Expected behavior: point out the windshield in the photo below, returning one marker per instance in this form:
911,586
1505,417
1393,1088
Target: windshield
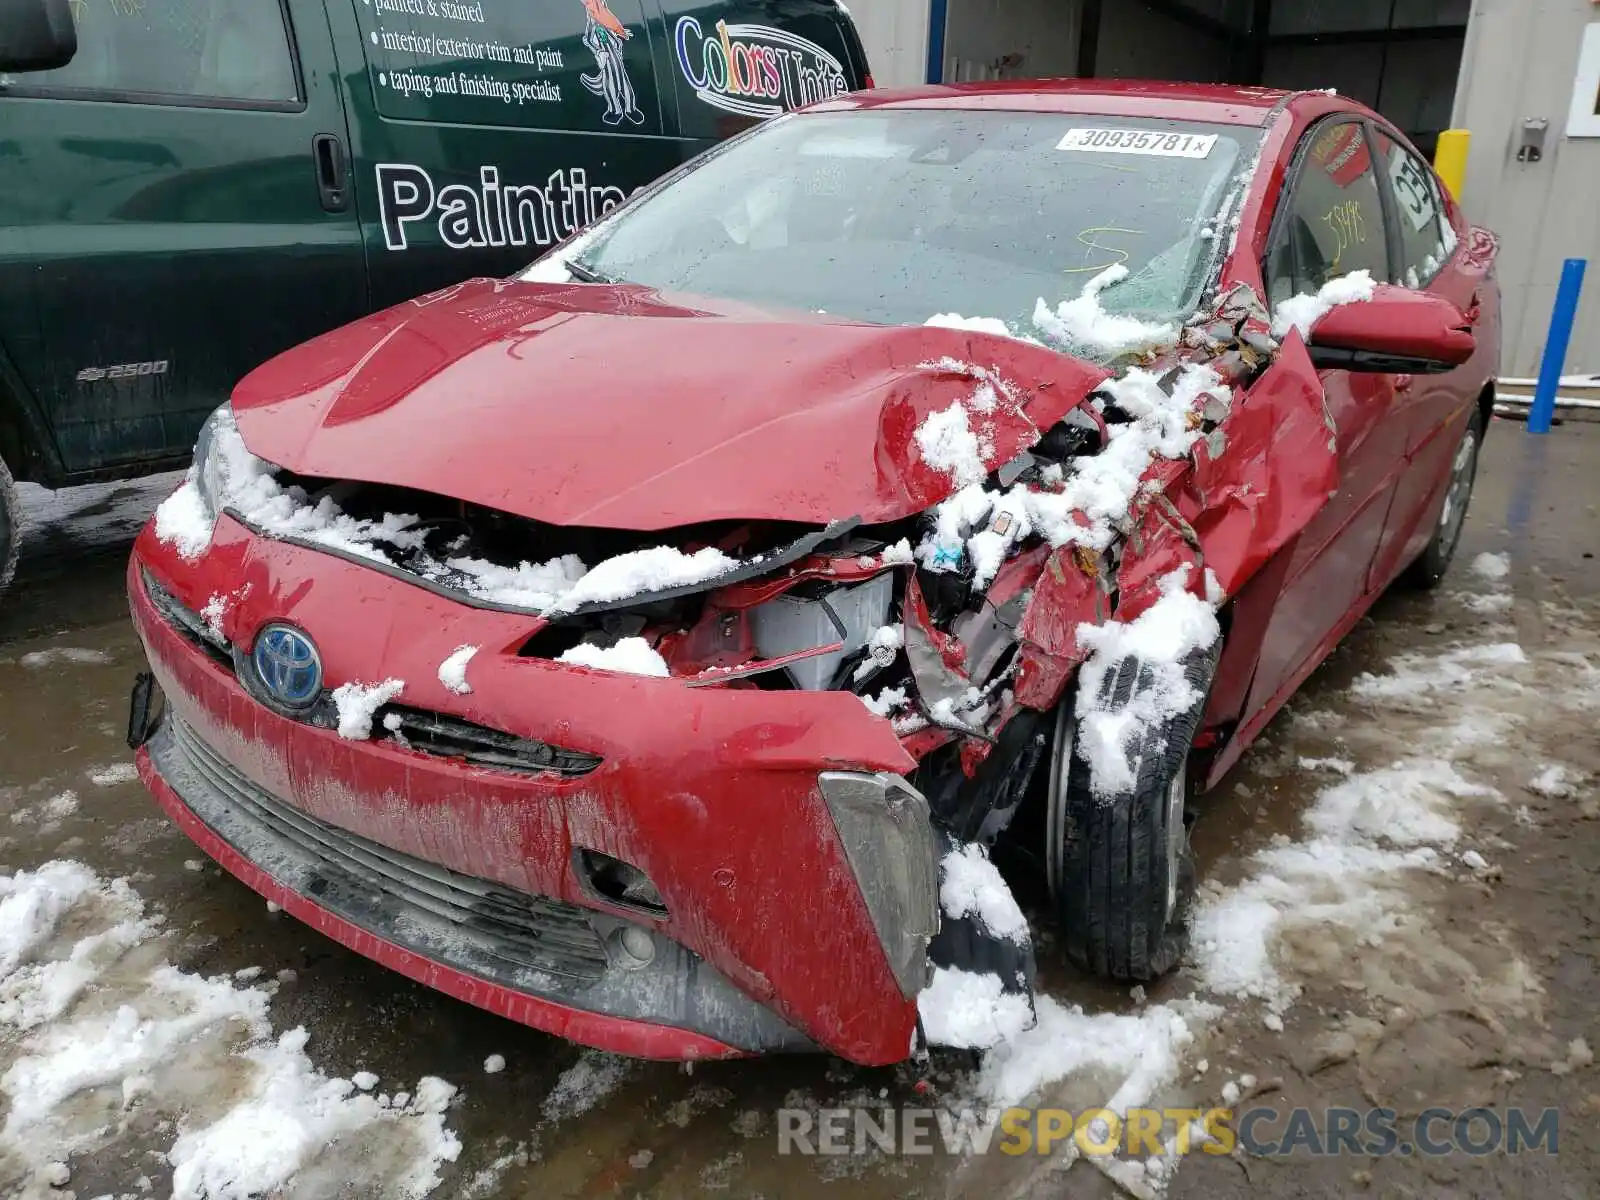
899,216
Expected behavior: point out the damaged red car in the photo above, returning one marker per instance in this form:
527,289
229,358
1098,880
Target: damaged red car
651,648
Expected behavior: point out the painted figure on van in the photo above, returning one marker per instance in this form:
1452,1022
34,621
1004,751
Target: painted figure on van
604,35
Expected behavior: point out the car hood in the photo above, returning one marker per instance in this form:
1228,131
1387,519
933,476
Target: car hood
625,408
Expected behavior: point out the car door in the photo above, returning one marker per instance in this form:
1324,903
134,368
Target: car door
1431,411
1331,222
161,216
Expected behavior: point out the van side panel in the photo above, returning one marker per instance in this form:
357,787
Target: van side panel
486,131
156,246
739,63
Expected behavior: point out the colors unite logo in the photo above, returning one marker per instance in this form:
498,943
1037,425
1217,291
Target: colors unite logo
756,70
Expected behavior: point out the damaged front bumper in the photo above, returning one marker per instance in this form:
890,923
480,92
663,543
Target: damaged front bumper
791,870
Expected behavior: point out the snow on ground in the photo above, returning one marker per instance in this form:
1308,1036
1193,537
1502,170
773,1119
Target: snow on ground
77,655
586,1083
113,774
630,656
104,1044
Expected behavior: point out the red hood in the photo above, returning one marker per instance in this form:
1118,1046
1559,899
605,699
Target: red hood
612,406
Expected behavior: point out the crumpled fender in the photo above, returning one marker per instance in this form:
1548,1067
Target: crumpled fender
1275,469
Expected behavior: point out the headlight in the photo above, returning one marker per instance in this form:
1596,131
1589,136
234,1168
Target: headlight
209,471
889,842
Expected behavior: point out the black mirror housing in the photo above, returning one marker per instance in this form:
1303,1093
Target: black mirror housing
36,35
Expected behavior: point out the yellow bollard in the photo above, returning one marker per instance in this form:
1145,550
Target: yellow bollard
1451,159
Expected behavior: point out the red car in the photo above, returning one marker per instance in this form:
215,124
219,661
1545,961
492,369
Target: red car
650,648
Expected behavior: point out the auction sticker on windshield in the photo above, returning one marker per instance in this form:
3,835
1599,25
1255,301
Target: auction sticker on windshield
1139,141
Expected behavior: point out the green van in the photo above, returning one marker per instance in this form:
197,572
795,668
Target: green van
188,187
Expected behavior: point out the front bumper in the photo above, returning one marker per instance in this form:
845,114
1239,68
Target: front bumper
464,878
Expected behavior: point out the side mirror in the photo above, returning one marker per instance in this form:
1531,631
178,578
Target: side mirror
1398,331
36,35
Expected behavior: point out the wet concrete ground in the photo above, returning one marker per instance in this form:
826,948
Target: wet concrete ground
68,655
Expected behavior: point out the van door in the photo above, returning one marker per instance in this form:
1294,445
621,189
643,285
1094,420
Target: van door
172,213
740,63
485,131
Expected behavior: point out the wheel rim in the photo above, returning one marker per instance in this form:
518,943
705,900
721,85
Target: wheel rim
1462,473
1177,793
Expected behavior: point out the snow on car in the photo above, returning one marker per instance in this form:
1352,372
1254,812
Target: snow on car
651,648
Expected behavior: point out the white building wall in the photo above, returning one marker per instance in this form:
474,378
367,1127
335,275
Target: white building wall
895,36
1522,62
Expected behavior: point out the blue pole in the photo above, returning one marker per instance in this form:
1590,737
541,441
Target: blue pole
1555,346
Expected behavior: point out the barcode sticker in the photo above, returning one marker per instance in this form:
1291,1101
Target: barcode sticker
1139,141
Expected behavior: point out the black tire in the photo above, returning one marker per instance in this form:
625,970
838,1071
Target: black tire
1123,877
1429,567
10,527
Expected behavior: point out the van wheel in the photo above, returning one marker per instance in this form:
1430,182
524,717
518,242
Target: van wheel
1120,868
1434,561
10,526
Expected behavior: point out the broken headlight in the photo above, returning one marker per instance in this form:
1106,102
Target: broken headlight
793,622
889,842
208,469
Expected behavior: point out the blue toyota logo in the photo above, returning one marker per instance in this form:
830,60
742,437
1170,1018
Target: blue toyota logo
288,666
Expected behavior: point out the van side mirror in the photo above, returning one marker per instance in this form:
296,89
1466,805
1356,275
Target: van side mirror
1398,331
36,35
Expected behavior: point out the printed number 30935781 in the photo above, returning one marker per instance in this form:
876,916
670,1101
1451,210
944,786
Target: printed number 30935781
1139,141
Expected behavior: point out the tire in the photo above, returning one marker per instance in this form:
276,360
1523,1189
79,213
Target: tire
1430,566
10,527
1122,873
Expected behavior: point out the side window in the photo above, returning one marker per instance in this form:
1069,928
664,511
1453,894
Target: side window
177,51
1420,210
542,64
1331,222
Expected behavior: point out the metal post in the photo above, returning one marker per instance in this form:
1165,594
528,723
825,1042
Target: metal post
1555,346
1450,160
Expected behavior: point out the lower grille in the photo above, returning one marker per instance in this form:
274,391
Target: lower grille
414,901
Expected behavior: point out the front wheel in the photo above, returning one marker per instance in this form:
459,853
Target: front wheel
1434,561
1120,868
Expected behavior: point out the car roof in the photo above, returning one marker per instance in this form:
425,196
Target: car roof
1221,104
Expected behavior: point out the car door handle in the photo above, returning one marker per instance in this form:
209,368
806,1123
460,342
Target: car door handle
327,149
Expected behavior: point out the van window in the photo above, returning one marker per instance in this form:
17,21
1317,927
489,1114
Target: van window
177,51
545,64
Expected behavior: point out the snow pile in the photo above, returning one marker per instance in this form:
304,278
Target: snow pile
1305,310
1553,780
453,670
107,1042
1162,637
971,324
890,700
1492,567
971,886
948,444
359,702
1083,326
1096,497
630,656
968,1011
239,481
